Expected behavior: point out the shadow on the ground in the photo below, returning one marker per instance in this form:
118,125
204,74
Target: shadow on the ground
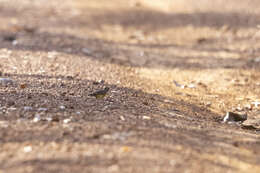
137,55
152,20
100,121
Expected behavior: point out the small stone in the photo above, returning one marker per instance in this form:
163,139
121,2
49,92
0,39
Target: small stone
14,43
48,119
178,85
98,82
10,103
62,107
117,136
86,51
250,127
22,86
53,118
168,101
122,118
27,149
27,108
42,109
66,121
239,109
9,38
52,54
70,77
248,107
146,117
29,29
255,122
146,103
256,103
201,40
208,104
12,109
125,149
234,117
37,118
6,81
191,86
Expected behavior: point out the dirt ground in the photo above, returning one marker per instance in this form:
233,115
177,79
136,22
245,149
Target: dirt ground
174,68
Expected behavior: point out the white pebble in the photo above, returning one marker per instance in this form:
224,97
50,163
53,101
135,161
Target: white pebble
146,118
122,118
37,118
62,107
27,149
66,120
42,109
27,108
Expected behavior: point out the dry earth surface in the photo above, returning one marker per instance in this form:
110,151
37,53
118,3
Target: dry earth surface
174,68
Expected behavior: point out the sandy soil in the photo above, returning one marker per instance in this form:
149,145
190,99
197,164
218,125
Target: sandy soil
173,68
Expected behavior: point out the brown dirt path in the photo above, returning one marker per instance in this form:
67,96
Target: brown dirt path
57,52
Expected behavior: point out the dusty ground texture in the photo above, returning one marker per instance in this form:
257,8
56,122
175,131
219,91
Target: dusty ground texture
174,68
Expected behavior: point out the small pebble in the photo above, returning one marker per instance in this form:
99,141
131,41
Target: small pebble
27,149
14,43
122,118
62,107
101,81
10,38
66,121
178,85
12,109
168,101
49,119
6,81
54,118
27,108
42,109
191,86
52,54
146,117
10,103
22,86
37,118
126,149
234,117
86,51
256,103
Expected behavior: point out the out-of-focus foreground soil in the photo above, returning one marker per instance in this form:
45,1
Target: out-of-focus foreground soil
174,68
